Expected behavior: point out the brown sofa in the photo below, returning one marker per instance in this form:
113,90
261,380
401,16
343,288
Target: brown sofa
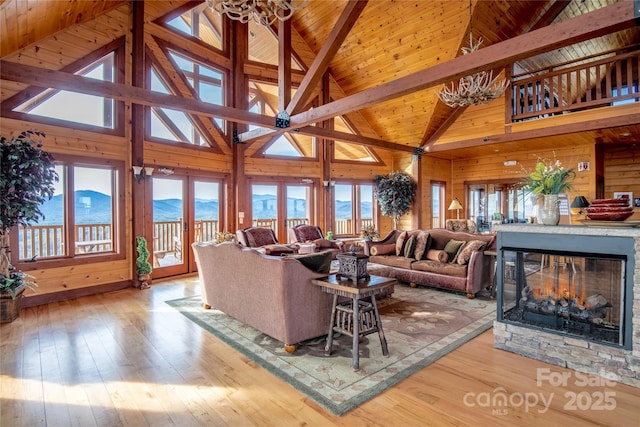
466,271
274,294
305,233
264,238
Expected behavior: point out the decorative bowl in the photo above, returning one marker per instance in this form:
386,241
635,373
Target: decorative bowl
620,201
608,208
609,216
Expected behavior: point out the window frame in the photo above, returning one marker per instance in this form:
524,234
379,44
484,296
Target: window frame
71,258
355,206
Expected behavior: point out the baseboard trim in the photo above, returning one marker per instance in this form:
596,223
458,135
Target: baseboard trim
33,300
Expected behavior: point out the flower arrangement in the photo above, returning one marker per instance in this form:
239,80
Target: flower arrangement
369,232
224,236
549,178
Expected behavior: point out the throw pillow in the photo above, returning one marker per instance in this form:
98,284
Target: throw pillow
409,247
465,253
319,262
423,243
400,243
388,249
452,247
437,255
323,243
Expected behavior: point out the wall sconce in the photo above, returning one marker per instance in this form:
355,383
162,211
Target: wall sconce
140,172
329,184
456,206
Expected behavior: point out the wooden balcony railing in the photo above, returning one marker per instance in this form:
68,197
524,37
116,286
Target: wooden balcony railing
567,88
46,241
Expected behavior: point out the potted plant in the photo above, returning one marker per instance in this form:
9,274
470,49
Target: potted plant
142,262
395,193
547,181
369,232
224,236
26,181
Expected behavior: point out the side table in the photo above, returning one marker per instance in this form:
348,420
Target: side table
355,318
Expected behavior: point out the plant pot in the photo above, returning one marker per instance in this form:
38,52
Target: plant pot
550,212
145,280
9,306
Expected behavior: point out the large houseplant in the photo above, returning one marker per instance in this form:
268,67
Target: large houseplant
27,181
395,193
548,180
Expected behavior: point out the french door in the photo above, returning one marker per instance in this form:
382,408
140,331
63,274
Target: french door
185,210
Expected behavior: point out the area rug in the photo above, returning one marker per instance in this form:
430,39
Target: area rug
420,324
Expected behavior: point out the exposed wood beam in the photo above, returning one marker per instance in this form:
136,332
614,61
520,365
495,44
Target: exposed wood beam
351,138
582,126
284,64
603,21
42,77
330,47
320,64
550,15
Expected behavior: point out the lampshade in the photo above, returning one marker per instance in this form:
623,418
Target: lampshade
455,204
580,202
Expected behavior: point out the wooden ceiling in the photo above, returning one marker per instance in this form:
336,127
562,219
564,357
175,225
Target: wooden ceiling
388,41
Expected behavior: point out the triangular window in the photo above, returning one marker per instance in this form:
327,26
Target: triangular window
77,107
172,125
350,151
200,22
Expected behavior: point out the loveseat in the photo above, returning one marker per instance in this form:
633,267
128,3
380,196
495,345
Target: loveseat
434,257
274,294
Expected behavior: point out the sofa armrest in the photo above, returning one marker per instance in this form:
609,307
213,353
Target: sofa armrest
389,238
478,272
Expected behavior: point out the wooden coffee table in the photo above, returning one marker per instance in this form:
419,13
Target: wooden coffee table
355,318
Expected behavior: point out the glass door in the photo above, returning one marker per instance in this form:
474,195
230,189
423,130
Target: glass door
298,206
207,220
264,206
169,227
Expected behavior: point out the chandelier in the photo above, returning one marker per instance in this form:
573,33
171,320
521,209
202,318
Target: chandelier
263,12
474,89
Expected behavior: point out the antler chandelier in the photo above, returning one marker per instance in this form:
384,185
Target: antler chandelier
264,12
474,89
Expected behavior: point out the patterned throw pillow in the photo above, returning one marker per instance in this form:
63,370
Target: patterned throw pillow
400,243
409,247
465,253
452,247
423,243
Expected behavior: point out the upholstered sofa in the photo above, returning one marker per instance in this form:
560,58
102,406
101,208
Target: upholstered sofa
463,268
274,294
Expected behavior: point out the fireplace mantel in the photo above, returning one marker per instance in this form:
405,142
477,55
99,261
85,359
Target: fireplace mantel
582,355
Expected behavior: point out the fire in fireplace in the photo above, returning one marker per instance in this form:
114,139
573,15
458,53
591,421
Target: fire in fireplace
581,295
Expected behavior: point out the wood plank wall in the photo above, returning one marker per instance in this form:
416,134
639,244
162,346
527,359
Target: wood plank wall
622,172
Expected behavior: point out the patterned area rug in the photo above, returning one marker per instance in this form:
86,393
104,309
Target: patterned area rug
420,324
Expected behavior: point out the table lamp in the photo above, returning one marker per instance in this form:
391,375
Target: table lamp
455,205
579,203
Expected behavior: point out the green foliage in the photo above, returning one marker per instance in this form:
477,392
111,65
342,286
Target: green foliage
14,280
142,262
549,178
395,193
369,232
26,180
224,236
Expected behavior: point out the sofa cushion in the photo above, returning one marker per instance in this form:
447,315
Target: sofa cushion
392,261
409,247
323,243
423,242
388,249
277,249
319,262
307,233
467,249
257,237
452,247
400,243
448,269
437,255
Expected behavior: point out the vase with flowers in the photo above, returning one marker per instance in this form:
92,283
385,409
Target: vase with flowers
548,180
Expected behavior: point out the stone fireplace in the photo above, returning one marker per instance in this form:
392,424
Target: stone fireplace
570,296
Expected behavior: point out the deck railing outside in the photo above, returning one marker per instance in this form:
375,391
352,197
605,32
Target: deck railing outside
46,241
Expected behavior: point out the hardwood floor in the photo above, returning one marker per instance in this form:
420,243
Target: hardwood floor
128,359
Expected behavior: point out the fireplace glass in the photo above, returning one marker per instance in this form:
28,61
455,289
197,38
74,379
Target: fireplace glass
571,294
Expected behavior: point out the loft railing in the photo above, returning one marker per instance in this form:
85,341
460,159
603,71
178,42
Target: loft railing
573,88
